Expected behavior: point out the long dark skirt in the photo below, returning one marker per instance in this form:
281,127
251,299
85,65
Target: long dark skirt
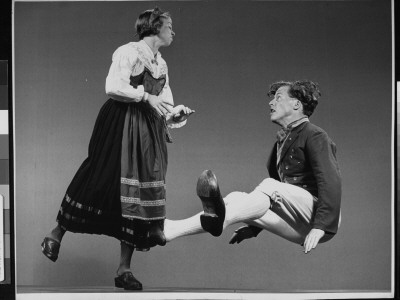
119,190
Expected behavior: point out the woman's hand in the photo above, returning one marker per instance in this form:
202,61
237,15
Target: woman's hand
162,107
180,113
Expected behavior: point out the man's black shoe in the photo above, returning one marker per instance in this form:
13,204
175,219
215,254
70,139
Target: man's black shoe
207,189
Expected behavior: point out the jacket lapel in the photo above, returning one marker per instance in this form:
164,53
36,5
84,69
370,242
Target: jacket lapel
271,163
293,136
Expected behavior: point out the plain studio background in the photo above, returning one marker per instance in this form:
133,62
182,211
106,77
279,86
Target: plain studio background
221,63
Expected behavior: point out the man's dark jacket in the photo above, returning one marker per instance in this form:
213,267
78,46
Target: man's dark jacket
308,160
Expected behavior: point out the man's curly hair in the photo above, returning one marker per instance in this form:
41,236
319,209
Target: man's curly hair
307,92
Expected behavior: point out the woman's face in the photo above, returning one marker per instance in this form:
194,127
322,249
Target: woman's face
166,34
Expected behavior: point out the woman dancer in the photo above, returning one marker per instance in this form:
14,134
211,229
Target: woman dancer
119,190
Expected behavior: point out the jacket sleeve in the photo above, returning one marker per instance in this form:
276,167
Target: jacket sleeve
322,155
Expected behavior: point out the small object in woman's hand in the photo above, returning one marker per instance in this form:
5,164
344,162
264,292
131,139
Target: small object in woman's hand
181,116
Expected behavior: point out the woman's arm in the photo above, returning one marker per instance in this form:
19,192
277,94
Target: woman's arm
118,80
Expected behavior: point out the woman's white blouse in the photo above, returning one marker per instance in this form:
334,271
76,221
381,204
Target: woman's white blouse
130,60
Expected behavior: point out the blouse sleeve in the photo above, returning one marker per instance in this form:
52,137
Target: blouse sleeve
118,78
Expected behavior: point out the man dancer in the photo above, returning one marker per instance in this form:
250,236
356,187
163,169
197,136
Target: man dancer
301,200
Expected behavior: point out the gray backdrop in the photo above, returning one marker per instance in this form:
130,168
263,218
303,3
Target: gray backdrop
222,60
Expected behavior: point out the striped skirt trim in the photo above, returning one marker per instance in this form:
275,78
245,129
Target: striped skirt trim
81,206
135,182
138,201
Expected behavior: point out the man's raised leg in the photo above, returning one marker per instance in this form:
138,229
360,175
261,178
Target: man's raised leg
218,212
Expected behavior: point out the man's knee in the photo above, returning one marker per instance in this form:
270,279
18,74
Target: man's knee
268,186
269,180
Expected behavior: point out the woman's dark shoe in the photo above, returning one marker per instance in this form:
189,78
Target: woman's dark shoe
207,189
128,282
156,236
51,248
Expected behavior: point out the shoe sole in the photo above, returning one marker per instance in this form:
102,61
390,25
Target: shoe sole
213,205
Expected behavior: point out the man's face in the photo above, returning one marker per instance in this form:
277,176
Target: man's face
166,34
282,106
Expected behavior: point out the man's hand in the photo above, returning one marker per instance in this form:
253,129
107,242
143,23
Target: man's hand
162,107
241,234
312,239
